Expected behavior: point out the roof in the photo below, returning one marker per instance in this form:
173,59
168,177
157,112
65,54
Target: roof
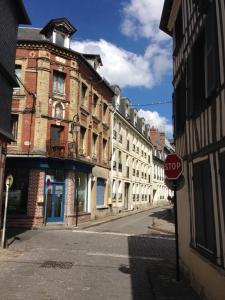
21,11
165,16
93,56
61,23
36,35
30,34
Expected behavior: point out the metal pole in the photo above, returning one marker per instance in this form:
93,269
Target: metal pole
176,232
5,216
77,202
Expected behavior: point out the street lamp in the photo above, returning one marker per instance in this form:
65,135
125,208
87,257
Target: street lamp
75,128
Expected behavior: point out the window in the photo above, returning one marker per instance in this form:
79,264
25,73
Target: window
58,83
56,135
18,193
104,150
95,105
82,141
59,111
222,180
120,161
179,106
202,66
94,146
83,94
60,39
18,69
178,31
203,204
14,127
105,113
100,197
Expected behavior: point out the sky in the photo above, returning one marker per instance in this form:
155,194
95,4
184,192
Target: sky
136,55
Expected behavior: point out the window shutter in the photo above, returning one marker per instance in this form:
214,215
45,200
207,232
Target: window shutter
189,109
211,59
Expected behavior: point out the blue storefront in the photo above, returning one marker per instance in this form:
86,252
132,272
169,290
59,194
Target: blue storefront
44,189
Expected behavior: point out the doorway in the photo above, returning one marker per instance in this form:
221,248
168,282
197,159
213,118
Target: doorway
126,194
55,194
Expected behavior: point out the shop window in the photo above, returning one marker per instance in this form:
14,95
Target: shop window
204,212
14,127
100,196
18,193
81,181
58,83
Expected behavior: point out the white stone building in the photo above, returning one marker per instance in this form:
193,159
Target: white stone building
131,164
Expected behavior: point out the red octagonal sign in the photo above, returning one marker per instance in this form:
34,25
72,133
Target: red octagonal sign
173,166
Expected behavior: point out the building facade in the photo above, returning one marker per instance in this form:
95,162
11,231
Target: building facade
60,122
198,30
12,13
137,176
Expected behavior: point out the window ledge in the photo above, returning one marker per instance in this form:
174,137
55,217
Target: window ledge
102,207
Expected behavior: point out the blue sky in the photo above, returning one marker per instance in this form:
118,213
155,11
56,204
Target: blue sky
135,54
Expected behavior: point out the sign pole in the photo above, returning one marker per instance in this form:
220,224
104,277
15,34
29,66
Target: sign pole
5,216
176,231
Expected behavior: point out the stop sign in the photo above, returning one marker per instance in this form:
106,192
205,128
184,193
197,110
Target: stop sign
173,166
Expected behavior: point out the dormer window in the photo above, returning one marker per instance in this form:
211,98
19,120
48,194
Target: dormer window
60,39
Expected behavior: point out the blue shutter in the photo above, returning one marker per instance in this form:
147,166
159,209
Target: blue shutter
100,192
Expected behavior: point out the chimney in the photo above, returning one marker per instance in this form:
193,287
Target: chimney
154,135
162,137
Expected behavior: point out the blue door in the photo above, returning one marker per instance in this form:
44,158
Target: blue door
55,195
100,192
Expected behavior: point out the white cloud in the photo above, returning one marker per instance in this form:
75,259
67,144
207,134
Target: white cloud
141,19
126,68
154,119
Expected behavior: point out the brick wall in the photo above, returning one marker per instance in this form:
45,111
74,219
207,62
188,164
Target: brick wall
35,193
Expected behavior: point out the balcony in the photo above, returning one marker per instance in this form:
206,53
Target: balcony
57,149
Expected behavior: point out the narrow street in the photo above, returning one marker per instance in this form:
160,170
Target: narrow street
122,259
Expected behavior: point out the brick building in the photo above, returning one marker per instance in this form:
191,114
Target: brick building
51,162
12,13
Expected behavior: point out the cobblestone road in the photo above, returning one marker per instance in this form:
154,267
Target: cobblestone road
123,259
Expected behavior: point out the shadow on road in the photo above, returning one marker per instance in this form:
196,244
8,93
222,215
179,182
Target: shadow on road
166,214
152,269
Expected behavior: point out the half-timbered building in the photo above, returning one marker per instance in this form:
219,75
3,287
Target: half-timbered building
198,31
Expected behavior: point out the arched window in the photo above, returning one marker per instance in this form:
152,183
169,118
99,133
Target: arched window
59,111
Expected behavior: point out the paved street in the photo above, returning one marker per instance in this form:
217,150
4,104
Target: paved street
122,259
